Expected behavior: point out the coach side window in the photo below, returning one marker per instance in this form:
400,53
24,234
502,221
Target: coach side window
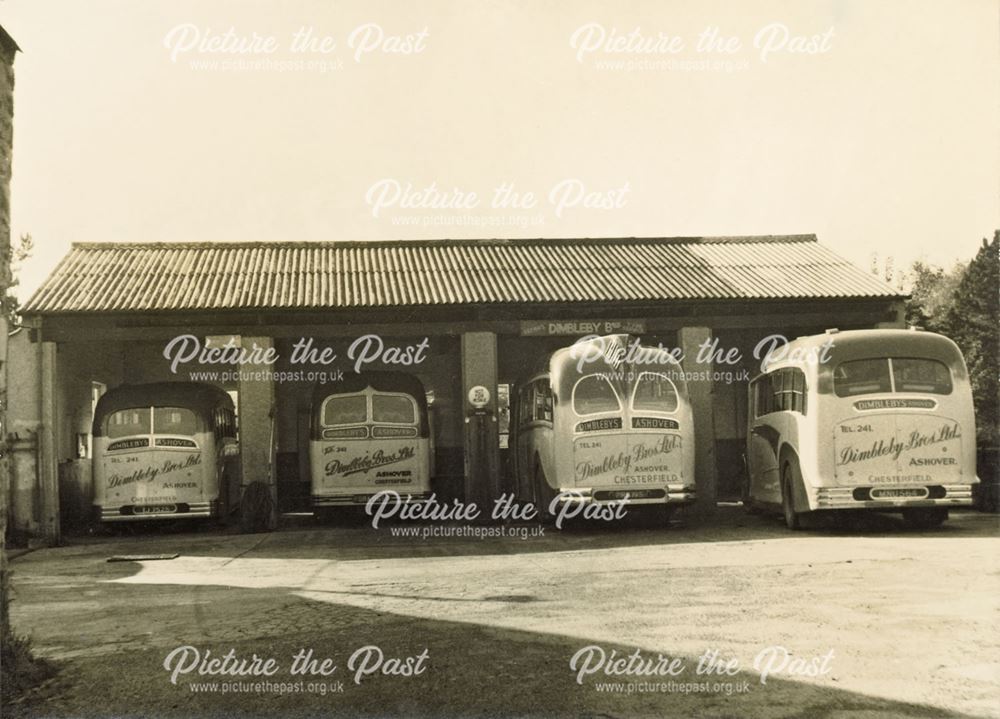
798,390
790,391
542,400
763,396
535,403
780,391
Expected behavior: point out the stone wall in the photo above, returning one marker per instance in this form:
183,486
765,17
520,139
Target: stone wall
7,50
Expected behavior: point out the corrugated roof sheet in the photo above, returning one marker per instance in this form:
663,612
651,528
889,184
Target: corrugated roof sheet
109,277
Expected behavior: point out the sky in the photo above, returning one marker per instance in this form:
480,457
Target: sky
874,125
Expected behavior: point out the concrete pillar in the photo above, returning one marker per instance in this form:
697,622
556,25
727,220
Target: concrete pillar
700,392
899,321
48,461
482,439
22,429
257,424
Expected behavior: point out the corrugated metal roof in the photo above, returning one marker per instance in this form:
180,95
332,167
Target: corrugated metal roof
109,277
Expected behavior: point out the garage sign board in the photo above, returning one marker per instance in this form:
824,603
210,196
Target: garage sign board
576,328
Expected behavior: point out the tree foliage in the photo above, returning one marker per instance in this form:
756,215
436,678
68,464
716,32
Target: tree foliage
9,266
973,321
932,292
964,304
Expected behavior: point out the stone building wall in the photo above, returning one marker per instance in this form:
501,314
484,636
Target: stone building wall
8,48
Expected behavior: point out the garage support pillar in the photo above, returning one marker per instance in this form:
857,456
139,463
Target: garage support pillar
482,439
700,390
257,423
48,464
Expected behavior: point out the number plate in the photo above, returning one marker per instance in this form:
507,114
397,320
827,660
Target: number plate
630,493
155,509
899,493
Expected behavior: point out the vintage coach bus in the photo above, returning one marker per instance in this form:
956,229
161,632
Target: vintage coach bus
865,419
605,420
164,451
370,432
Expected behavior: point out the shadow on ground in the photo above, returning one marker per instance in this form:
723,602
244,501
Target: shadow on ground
471,671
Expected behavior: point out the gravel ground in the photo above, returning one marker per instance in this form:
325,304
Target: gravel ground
911,618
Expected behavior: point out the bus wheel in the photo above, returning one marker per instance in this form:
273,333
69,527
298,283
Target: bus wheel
664,513
792,518
925,517
543,496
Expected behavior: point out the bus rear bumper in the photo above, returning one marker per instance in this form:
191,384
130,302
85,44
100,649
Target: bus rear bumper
671,494
949,495
139,513
360,499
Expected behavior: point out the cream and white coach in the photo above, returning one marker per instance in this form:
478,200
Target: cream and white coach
864,419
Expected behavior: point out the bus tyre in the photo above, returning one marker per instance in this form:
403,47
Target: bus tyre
543,496
925,517
793,519
748,506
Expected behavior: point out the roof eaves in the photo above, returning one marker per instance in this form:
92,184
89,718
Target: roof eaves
543,241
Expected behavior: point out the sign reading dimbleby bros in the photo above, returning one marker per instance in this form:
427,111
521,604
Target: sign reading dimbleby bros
552,328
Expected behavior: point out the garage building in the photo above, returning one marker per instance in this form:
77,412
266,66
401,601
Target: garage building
487,309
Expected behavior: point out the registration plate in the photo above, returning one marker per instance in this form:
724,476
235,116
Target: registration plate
899,493
632,494
155,509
